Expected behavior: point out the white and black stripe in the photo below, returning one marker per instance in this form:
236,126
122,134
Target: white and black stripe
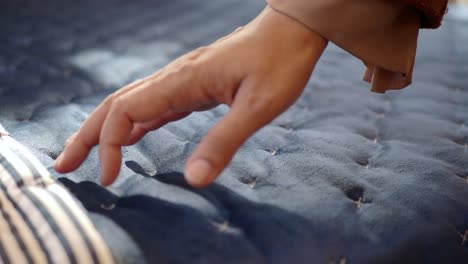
40,221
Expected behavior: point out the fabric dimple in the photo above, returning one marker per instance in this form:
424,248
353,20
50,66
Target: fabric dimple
310,201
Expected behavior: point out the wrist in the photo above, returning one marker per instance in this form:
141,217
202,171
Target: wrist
287,32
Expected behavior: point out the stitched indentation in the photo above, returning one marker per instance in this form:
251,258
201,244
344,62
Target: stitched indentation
288,128
370,135
183,140
52,154
250,181
273,152
356,194
460,141
460,175
363,162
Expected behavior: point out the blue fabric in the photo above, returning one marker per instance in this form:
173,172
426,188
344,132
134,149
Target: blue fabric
345,176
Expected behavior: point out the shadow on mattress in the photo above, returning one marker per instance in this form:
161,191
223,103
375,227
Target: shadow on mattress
250,232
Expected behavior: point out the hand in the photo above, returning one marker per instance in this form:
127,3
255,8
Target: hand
259,71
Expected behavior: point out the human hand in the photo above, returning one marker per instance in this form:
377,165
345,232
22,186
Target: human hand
259,71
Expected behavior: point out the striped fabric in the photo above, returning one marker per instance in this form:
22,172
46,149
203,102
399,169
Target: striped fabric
40,221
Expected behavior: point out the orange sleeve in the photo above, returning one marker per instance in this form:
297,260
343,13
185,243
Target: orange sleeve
383,34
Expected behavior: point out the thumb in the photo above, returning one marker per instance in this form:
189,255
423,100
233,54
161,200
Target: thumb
218,147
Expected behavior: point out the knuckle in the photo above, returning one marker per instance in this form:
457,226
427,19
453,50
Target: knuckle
186,68
112,98
186,71
71,139
195,54
109,99
260,103
84,143
118,104
81,140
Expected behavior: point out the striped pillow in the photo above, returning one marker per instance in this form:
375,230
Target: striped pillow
40,221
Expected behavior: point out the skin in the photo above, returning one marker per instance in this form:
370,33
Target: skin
258,70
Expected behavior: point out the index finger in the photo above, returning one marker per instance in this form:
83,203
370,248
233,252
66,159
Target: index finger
80,144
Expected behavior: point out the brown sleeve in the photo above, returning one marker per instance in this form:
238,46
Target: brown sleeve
382,33
431,11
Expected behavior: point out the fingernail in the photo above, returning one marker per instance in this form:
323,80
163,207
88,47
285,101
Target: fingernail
104,181
198,172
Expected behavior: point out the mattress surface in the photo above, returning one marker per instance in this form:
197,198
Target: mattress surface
344,176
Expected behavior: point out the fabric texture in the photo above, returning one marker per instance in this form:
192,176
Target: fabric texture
40,221
344,175
383,34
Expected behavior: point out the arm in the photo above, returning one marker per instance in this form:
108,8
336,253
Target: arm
259,71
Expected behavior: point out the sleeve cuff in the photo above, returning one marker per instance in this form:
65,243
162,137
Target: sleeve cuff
383,34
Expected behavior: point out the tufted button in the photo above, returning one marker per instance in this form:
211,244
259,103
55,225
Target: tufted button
363,163
357,195
279,177
249,181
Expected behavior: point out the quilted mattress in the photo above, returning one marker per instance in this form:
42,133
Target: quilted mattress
344,176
